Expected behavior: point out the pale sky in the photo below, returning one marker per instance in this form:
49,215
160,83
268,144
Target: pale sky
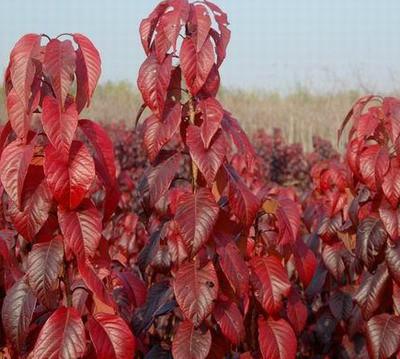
276,45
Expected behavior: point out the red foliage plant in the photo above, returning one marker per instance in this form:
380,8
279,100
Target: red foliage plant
199,257
286,164
352,219
217,283
209,258
372,156
59,188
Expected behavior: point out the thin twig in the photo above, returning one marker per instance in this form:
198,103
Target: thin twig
64,34
139,114
46,36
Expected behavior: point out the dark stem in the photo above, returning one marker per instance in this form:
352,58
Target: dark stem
64,34
46,36
139,114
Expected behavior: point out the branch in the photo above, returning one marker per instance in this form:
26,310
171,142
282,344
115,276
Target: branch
46,36
139,114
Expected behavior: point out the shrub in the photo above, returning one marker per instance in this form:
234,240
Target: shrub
208,272
188,242
59,189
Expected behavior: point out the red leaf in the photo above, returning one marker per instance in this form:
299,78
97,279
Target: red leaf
288,218
14,165
196,217
374,164
341,305
353,151
371,293
69,179
203,25
220,17
17,311
9,260
371,238
243,203
196,290
366,125
222,44
88,70
111,337
59,65
4,134
212,113
382,335
391,220
234,268
148,25
231,126
355,112
392,257
191,343
44,267
270,282
161,44
230,320
160,301
175,244
211,87
208,160
80,296
93,282
224,37
136,288
159,132
196,66
81,229
160,177
332,256
19,118
297,312
391,183
220,347
391,108
170,22
59,126
62,336
22,67
104,162
277,340
153,82
36,204
396,298
305,262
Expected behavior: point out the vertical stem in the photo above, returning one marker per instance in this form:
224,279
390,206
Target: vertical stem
195,170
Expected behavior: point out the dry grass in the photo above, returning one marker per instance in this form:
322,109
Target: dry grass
300,114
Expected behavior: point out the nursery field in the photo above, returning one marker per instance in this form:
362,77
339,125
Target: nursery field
301,114
154,226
